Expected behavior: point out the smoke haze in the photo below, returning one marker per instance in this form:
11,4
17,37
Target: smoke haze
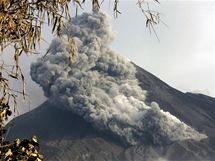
100,86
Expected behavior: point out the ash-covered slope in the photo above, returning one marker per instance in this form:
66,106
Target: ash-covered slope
196,110
103,107
65,136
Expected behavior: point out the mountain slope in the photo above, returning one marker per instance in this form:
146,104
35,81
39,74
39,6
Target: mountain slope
66,136
196,110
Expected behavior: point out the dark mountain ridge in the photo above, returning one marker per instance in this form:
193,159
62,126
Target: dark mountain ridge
65,136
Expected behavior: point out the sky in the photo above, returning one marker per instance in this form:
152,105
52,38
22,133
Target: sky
184,57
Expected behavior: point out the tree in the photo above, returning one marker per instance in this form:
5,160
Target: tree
20,27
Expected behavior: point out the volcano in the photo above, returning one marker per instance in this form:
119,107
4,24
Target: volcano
103,107
65,136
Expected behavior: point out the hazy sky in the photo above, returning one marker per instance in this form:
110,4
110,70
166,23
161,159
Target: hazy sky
185,56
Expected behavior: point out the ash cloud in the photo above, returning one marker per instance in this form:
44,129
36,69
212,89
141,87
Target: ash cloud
101,86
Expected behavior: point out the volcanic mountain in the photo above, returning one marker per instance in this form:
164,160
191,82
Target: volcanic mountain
103,107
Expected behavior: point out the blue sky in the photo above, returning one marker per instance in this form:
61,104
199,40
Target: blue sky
184,58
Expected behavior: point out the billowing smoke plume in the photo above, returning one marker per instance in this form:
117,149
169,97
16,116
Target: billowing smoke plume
101,86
